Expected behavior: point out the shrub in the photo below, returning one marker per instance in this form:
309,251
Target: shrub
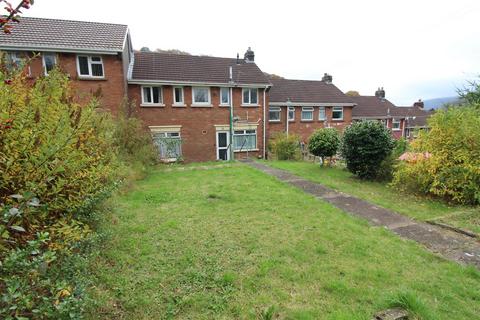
453,169
286,147
51,146
387,167
365,145
134,143
324,143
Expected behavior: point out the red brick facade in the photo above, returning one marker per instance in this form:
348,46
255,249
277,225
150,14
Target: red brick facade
110,89
305,128
198,124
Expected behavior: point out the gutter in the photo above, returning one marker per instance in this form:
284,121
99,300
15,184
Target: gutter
60,49
197,83
315,104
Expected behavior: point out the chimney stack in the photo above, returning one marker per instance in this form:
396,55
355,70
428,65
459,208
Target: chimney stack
327,78
419,104
249,55
380,93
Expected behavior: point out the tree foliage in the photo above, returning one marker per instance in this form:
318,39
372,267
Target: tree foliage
352,93
365,146
324,143
452,170
285,147
470,94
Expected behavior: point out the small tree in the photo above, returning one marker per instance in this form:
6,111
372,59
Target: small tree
365,145
324,143
285,147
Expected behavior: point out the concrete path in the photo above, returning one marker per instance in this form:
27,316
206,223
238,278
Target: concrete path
449,244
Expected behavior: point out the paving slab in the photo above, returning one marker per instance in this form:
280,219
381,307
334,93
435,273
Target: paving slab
449,244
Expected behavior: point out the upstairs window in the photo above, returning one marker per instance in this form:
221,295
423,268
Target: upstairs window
396,125
337,113
225,96
49,62
321,114
152,96
291,113
201,96
250,96
90,66
274,114
178,96
307,113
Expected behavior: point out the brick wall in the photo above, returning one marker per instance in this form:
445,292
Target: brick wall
111,90
305,128
198,130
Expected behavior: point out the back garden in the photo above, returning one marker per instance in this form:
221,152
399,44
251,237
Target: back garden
92,228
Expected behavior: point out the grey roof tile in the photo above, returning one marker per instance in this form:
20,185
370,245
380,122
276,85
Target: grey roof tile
159,66
40,33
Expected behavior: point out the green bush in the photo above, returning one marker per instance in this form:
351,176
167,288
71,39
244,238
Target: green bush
365,146
387,167
285,147
452,169
324,143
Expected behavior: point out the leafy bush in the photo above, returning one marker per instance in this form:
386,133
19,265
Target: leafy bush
133,141
365,146
324,143
387,167
286,147
452,171
51,146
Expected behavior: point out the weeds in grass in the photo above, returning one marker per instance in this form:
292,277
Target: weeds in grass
411,302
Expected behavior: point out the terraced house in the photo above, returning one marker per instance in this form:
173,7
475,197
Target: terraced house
197,108
96,56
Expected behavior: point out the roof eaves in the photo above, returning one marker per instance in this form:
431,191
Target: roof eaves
36,47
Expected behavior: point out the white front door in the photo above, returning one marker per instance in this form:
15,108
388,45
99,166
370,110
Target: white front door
223,145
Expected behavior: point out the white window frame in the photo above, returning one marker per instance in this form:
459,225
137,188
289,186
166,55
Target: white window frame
17,59
182,102
337,109
90,62
171,135
202,104
152,104
307,109
249,103
225,104
45,72
275,109
235,134
288,113
396,121
320,118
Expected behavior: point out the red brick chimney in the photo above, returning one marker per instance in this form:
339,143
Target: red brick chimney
419,104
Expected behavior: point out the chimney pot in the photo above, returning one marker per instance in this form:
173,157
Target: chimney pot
327,78
380,93
249,55
419,104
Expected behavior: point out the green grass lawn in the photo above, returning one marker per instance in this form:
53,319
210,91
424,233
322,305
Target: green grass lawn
234,243
381,194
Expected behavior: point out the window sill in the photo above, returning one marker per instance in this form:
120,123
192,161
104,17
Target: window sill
179,105
338,120
322,120
246,150
306,120
224,105
250,105
275,121
87,78
202,105
396,130
146,105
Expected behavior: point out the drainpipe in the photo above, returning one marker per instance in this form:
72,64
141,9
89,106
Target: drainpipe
264,123
289,104
232,154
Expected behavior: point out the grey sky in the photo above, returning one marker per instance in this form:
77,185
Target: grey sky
415,49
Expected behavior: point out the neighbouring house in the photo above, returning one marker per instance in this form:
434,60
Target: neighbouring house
402,121
311,105
201,108
95,55
415,118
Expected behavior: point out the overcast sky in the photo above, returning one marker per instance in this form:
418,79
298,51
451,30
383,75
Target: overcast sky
414,49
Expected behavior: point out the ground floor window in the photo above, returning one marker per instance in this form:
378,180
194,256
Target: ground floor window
169,145
274,114
244,140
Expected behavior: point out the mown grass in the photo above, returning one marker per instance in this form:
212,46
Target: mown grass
381,194
234,243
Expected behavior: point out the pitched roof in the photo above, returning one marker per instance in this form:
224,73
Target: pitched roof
417,117
372,107
168,67
306,91
37,34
